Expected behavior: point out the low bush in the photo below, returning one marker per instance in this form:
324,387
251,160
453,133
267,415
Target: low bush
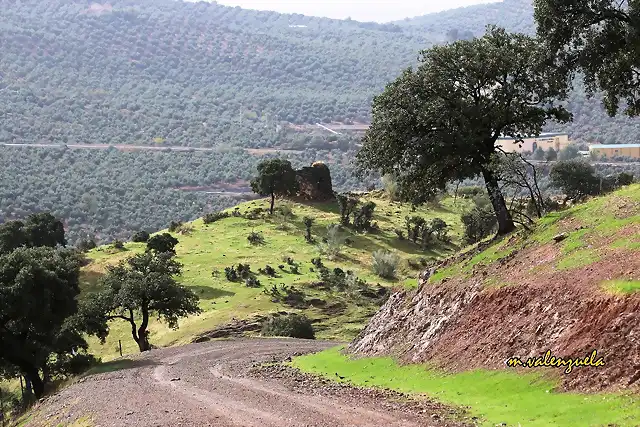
140,236
291,325
215,216
174,226
255,238
385,263
252,282
117,245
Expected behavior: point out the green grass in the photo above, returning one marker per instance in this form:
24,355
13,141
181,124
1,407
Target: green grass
577,259
493,396
224,243
622,286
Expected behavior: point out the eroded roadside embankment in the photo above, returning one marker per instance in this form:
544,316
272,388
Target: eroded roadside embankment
527,295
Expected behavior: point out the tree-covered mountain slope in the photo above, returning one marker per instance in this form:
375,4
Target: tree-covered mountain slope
201,74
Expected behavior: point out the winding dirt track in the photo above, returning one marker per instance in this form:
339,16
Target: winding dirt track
206,385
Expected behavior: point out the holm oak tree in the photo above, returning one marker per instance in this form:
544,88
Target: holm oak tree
275,177
600,39
440,122
136,289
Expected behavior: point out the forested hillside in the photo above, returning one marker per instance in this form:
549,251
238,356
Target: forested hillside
163,72
201,74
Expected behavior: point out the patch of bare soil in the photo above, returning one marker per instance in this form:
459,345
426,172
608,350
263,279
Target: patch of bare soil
217,384
463,324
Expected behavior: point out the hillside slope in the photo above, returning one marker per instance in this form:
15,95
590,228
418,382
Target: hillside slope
201,74
529,294
206,250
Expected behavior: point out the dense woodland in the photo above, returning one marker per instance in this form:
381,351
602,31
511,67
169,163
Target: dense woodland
200,74
107,194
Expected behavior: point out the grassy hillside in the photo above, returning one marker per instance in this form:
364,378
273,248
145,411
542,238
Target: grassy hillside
520,296
339,315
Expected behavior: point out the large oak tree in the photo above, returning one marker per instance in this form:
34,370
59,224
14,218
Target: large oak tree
137,289
275,177
38,291
440,122
600,39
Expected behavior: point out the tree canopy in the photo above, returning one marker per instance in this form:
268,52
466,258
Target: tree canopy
440,122
275,177
136,289
600,39
38,290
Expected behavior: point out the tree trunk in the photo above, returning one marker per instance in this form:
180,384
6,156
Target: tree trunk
143,336
273,199
505,222
33,376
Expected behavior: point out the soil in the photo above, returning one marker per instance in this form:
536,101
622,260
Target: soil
522,305
222,383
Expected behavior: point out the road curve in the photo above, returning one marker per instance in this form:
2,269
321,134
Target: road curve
207,385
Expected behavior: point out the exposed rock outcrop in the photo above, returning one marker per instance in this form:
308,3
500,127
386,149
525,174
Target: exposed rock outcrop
315,182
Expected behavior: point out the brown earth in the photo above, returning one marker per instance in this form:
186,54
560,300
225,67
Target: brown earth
219,384
522,305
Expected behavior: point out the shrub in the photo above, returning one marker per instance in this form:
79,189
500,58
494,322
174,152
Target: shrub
215,216
140,236
317,262
174,226
291,325
252,282
362,218
385,263
85,245
270,271
399,233
478,224
255,238
625,179
308,223
185,229
346,204
244,271
439,227
162,243
295,269
117,245
288,260
254,213
231,274
334,241
414,264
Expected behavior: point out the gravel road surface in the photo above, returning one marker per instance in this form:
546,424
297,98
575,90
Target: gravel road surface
224,383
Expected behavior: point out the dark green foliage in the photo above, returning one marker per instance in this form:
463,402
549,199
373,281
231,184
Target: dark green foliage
39,289
440,228
214,216
162,243
86,244
599,39
308,223
255,238
288,260
399,233
576,178
291,325
346,204
289,295
238,273
269,271
174,226
117,244
275,177
252,282
37,230
317,262
295,269
416,227
478,224
363,217
434,125
140,236
625,179
551,155
143,285
569,152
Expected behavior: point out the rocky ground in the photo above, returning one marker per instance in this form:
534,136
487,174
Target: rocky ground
225,383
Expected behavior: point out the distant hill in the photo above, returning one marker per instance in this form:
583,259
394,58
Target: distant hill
201,74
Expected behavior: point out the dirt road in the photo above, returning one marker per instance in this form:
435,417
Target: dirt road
214,384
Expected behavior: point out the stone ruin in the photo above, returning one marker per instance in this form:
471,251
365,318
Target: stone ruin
315,182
